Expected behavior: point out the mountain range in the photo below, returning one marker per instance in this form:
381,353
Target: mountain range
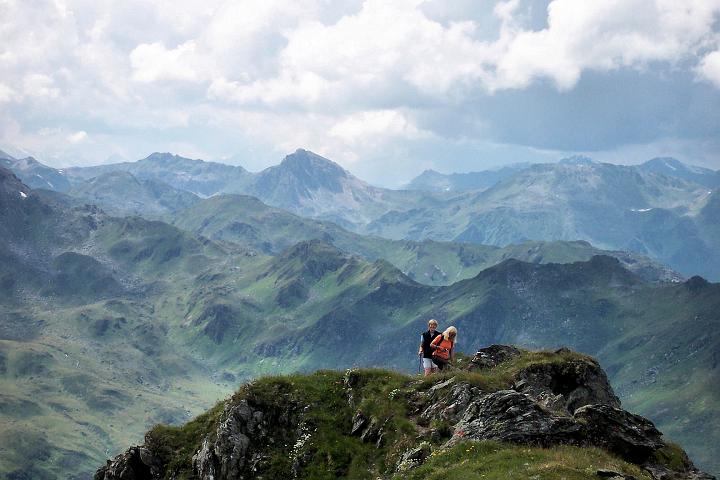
662,209
611,206
430,180
112,324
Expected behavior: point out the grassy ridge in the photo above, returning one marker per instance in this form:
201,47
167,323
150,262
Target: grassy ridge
320,445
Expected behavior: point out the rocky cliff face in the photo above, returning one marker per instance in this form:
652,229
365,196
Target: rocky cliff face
388,425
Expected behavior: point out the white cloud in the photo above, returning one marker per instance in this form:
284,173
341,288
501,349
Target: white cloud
7,94
709,68
303,88
153,62
77,137
40,86
601,36
371,125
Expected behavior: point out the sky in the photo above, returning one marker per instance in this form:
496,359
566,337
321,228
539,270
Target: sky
386,88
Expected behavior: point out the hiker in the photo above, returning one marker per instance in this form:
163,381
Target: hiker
425,351
442,347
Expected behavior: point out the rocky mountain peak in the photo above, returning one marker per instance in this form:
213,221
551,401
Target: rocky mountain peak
297,178
303,162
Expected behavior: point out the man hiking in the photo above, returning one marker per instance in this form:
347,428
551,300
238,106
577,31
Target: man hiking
425,351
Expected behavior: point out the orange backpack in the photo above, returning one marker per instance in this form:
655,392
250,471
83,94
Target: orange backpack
444,348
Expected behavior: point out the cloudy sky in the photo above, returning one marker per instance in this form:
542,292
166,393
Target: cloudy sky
385,88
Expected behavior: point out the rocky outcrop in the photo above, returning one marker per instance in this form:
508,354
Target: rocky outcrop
137,463
567,386
631,437
510,416
563,398
240,438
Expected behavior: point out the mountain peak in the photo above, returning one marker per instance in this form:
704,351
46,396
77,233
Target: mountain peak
577,160
308,162
297,175
162,157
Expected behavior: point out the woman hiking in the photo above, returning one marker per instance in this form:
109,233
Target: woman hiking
442,347
425,351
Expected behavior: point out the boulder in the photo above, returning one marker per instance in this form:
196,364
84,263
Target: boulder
510,416
492,356
629,436
567,386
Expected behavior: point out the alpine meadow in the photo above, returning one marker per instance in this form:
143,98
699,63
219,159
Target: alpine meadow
361,239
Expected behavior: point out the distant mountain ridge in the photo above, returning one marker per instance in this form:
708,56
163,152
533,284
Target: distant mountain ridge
121,193
196,176
674,168
656,209
35,174
303,183
611,206
431,180
247,221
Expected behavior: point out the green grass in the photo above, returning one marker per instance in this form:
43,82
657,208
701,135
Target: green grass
497,461
503,375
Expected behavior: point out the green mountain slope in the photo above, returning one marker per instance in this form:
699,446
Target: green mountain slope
247,221
170,321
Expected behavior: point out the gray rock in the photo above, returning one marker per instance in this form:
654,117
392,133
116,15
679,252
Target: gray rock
660,472
414,457
567,386
630,436
604,473
448,405
492,356
359,423
509,416
239,440
137,463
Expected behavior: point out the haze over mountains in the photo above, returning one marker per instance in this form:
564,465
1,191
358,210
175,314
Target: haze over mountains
662,209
